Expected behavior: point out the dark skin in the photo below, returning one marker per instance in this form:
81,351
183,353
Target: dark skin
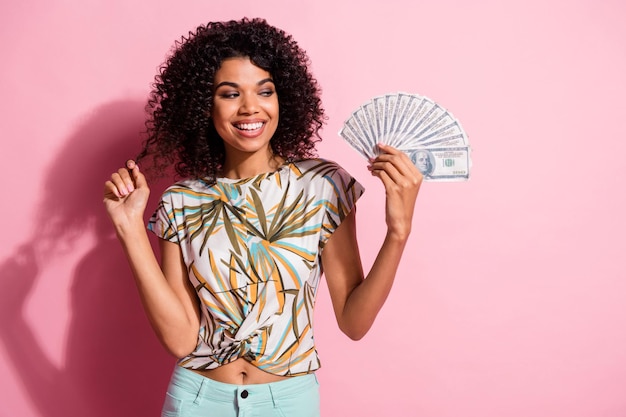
170,302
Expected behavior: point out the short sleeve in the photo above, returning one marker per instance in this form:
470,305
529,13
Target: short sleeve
162,222
342,192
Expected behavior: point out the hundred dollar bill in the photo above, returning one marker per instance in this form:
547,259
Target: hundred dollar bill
400,112
351,133
369,111
366,126
390,113
427,132
381,116
450,134
412,109
448,163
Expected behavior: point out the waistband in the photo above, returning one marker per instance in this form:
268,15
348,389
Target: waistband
206,388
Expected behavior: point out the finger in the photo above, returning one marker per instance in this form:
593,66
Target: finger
401,179
401,162
395,166
120,180
393,154
123,181
111,191
390,170
138,178
384,177
129,175
388,149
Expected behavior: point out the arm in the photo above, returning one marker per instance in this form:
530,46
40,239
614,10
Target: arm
357,300
166,294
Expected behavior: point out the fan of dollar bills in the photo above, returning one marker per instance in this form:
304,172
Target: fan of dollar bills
429,134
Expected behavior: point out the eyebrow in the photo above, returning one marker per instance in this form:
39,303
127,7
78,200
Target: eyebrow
235,85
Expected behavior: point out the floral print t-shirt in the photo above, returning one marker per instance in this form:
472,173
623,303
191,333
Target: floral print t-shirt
252,248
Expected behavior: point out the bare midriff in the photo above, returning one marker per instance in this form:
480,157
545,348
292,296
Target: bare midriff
240,372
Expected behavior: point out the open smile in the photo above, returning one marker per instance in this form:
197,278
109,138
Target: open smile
249,127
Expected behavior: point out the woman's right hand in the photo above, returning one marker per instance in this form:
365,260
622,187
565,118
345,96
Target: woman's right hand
126,196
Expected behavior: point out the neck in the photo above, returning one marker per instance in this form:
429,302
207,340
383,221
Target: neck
248,166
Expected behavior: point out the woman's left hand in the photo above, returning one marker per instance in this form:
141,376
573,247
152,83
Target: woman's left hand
402,181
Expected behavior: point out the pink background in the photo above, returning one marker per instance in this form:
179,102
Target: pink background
510,300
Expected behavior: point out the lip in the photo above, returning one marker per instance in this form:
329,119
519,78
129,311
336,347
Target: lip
250,133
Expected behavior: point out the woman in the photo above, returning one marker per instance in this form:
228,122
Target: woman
245,235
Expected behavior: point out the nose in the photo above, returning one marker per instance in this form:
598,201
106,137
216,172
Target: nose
249,104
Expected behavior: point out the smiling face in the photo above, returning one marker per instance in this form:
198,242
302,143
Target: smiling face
245,112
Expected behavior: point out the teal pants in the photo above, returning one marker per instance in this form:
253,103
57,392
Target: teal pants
192,395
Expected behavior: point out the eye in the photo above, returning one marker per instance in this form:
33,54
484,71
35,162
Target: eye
229,94
267,93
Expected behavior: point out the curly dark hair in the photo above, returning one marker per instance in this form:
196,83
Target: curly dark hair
179,129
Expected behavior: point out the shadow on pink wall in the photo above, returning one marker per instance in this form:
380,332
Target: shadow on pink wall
113,364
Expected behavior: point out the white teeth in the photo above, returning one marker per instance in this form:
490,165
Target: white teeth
249,126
